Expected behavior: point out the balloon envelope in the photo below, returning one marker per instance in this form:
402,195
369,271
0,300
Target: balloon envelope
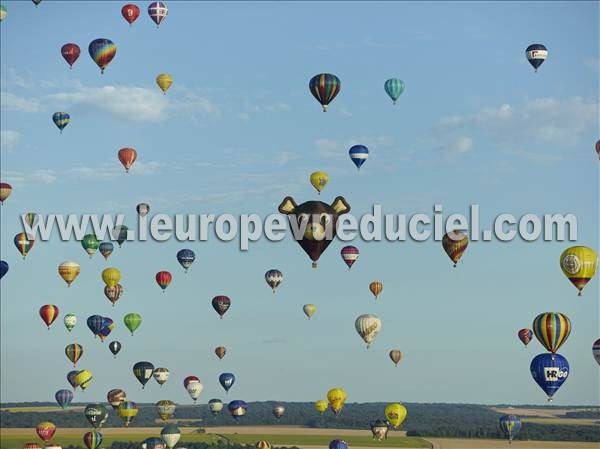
70,52
324,87
549,371
510,425
552,330
102,51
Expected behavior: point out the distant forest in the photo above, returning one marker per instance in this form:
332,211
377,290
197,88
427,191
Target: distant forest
424,420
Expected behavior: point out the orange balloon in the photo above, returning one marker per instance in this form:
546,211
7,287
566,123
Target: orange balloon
127,156
376,288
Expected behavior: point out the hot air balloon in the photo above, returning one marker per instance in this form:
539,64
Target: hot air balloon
90,244
116,397
596,350
24,242
163,279
96,414
525,336
193,386
142,209
61,120
30,219
215,406
368,326
92,440
170,435
161,375
36,2
45,430
349,255
455,243
127,410
552,330
359,155
107,327
336,398
132,321
394,87
63,398
379,429
69,271
113,293
111,276
396,356
395,414
220,351
3,268
221,304
119,233
598,148
579,264
70,52
338,444
376,288
536,54
278,411
157,12
510,425
143,372
74,351
309,310
95,323
5,191
70,321
319,180
71,378
262,444
186,258
324,87
106,249
319,221
321,405
130,12
164,81
102,51
154,443
273,278
3,13
549,371
127,156
115,347
83,379
237,409
49,314
226,380
165,409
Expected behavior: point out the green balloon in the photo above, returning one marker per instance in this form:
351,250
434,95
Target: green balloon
122,236
90,244
132,321
394,88
96,414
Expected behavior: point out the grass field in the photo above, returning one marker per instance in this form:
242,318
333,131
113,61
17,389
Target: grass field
538,412
452,443
564,421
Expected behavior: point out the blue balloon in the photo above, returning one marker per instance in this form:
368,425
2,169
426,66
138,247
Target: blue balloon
226,380
61,119
338,444
3,268
106,249
510,425
64,398
155,443
549,371
95,323
237,409
143,372
186,258
359,154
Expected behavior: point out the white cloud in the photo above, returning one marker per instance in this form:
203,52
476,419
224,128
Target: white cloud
285,157
9,139
12,102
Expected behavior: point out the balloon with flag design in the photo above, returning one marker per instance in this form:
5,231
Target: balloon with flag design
158,12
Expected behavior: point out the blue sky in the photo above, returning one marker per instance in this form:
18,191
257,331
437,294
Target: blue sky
239,130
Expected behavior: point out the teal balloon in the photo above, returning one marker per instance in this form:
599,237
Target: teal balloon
394,88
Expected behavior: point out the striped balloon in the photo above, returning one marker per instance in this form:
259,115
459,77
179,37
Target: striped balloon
455,244
49,314
63,398
273,278
394,88
324,87
24,242
525,336
61,119
376,288
510,425
358,154
92,440
349,255
5,191
74,352
127,410
102,52
163,279
552,330
596,351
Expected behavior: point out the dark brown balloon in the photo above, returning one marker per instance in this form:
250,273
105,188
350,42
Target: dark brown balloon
220,351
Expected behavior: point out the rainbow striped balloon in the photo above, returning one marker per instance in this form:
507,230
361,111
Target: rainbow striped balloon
552,330
324,87
102,52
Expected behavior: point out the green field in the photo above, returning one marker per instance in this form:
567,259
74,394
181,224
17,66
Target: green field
564,421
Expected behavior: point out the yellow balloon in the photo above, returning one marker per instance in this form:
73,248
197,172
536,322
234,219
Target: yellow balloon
319,180
579,264
395,414
321,405
336,398
83,379
309,310
111,277
164,81
69,271
376,288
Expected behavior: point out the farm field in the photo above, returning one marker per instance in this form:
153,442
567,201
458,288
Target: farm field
451,443
538,412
